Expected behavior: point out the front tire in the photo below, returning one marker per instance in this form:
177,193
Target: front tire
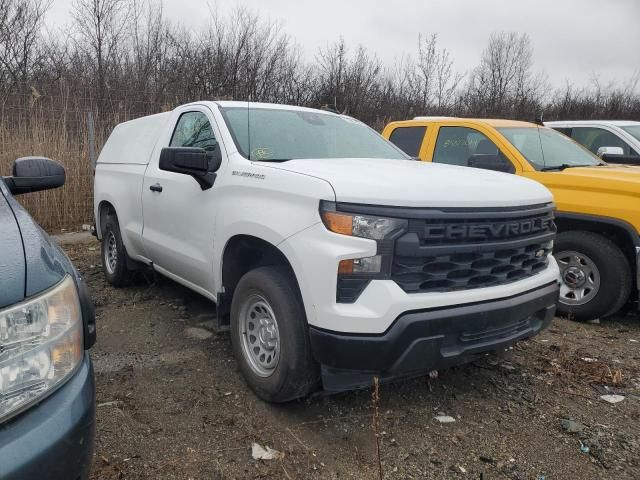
114,254
269,336
595,276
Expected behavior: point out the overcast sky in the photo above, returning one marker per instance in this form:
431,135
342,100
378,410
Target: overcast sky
573,39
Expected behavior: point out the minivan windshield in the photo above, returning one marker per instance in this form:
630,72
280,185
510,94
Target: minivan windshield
277,135
633,130
547,149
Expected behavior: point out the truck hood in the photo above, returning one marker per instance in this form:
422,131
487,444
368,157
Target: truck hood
419,184
30,261
618,179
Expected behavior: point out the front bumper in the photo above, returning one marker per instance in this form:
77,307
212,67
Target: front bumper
383,301
53,439
428,339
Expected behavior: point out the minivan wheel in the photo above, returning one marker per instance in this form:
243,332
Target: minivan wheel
114,255
269,336
595,277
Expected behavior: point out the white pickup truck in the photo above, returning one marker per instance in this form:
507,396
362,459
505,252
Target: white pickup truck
331,254
616,141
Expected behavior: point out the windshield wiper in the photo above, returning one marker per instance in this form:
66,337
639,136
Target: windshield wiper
562,166
275,160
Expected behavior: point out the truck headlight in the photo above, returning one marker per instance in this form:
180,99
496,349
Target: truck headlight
354,274
40,346
356,225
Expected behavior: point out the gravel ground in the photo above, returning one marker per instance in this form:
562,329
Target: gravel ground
172,403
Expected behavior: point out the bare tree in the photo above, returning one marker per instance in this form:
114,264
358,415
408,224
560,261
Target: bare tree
504,82
332,65
349,83
431,78
101,26
20,32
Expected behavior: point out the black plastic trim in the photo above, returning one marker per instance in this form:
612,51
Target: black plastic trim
417,250
88,313
434,309
635,238
450,213
422,340
627,159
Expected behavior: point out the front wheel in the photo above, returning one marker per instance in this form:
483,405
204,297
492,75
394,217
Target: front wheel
595,277
269,336
114,254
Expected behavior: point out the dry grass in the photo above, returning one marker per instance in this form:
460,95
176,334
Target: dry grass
590,370
57,131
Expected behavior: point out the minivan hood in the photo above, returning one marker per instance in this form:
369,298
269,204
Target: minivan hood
12,264
30,261
419,184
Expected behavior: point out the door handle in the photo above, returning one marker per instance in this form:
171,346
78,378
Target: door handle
155,188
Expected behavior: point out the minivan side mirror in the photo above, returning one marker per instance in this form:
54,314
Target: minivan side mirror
195,162
602,151
32,174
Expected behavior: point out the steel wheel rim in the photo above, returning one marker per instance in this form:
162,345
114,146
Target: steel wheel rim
259,335
579,277
111,253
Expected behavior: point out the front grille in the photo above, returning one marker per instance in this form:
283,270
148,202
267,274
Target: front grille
460,250
494,334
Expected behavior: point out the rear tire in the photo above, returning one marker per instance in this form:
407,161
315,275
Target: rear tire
114,254
595,275
269,336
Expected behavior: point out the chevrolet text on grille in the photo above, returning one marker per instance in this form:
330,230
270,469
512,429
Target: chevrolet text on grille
488,230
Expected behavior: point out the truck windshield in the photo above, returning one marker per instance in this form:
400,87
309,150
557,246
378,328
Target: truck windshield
277,135
633,130
547,149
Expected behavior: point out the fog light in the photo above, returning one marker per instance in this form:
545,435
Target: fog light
367,264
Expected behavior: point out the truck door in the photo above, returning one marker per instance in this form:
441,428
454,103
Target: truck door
594,137
468,147
178,215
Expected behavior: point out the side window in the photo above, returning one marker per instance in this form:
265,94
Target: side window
565,130
194,130
593,138
408,139
467,147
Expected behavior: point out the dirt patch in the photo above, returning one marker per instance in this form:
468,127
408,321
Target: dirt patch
172,403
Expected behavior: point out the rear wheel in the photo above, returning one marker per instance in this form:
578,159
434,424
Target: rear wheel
269,336
114,254
595,277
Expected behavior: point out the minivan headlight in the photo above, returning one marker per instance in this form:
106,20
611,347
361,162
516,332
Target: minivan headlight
40,346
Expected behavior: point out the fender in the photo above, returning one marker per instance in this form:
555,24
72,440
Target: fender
631,232
614,222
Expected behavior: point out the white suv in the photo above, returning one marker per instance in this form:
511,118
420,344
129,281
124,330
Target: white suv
616,141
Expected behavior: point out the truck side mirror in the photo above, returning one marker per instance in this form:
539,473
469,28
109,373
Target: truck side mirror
496,163
32,174
194,162
215,158
602,151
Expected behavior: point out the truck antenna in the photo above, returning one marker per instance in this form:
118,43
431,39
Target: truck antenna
248,127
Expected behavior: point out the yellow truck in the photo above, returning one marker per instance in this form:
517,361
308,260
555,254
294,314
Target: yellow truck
598,204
